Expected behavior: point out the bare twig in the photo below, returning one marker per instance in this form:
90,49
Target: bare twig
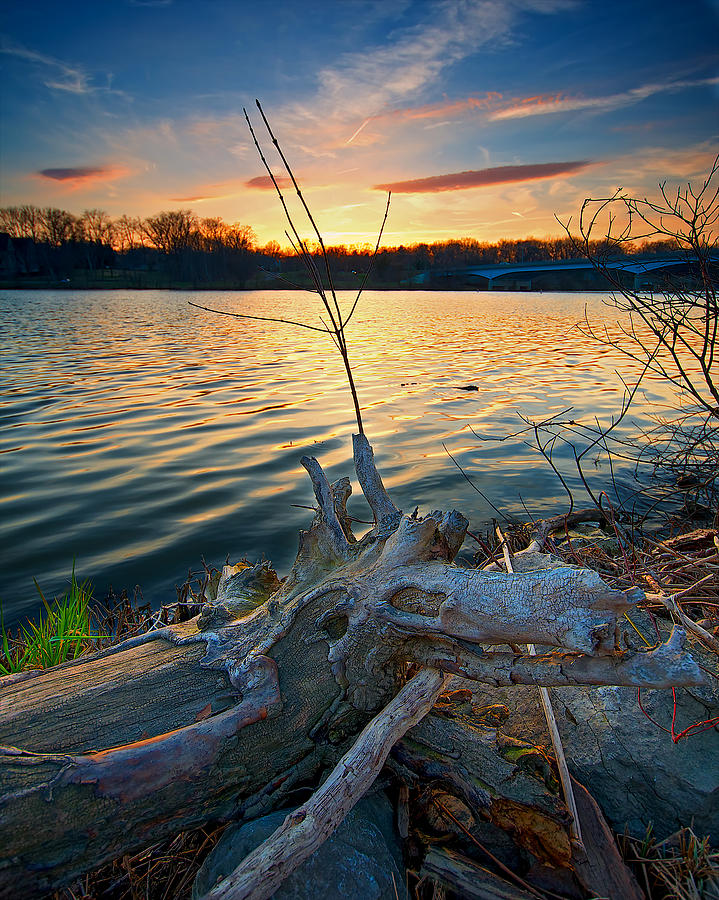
336,323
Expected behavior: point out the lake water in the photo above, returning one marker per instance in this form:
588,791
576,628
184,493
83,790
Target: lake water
139,434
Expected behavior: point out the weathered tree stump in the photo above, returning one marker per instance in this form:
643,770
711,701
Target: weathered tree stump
225,715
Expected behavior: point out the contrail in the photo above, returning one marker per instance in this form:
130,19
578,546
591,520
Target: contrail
357,132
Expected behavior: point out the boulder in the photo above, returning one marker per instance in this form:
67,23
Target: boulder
357,862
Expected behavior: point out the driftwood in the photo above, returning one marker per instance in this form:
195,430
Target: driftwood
224,716
302,832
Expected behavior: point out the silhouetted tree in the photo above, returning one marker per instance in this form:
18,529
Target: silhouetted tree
58,225
128,233
671,328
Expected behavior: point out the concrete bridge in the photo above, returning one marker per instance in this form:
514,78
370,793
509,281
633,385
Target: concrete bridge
523,272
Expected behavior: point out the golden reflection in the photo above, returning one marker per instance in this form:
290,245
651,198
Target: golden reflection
309,441
206,515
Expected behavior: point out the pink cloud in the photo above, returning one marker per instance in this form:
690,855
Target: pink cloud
197,198
432,111
535,106
558,103
459,181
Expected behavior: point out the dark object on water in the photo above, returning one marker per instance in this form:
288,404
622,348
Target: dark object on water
467,387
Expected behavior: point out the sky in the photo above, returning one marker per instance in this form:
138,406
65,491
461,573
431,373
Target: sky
485,118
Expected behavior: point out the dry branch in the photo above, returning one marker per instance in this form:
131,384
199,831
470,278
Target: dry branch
546,701
305,829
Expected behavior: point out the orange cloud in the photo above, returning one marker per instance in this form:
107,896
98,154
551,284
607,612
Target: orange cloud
79,176
449,109
557,103
459,181
439,110
199,198
533,106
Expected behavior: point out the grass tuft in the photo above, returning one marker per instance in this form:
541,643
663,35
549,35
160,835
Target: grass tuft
682,867
62,633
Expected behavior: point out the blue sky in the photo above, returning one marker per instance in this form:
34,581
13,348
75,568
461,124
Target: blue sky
486,118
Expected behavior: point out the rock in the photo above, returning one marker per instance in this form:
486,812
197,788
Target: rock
631,767
356,863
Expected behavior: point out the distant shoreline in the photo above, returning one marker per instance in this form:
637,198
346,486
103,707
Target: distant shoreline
120,285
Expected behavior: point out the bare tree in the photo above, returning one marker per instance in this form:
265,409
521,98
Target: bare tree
31,221
95,230
96,227
58,225
22,221
129,233
10,221
173,231
670,326
240,237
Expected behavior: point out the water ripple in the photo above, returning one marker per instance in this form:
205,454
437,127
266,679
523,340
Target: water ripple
140,433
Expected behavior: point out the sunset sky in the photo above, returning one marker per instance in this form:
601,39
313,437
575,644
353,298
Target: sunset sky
484,117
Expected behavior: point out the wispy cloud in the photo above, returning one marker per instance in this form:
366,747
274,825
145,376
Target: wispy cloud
57,75
415,55
63,77
76,176
459,181
374,82
203,193
385,84
199,198
450,108
361,94
432,111
559,103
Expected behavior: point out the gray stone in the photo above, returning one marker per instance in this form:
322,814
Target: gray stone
357,862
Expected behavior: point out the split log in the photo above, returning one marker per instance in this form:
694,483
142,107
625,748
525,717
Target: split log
223,716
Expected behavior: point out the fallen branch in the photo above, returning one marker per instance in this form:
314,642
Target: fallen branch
670,603
215,717
665,666
304,830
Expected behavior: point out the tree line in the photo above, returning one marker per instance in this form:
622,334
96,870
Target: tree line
178,246
177,243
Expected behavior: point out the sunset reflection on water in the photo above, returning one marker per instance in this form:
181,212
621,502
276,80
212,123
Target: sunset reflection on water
140,434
